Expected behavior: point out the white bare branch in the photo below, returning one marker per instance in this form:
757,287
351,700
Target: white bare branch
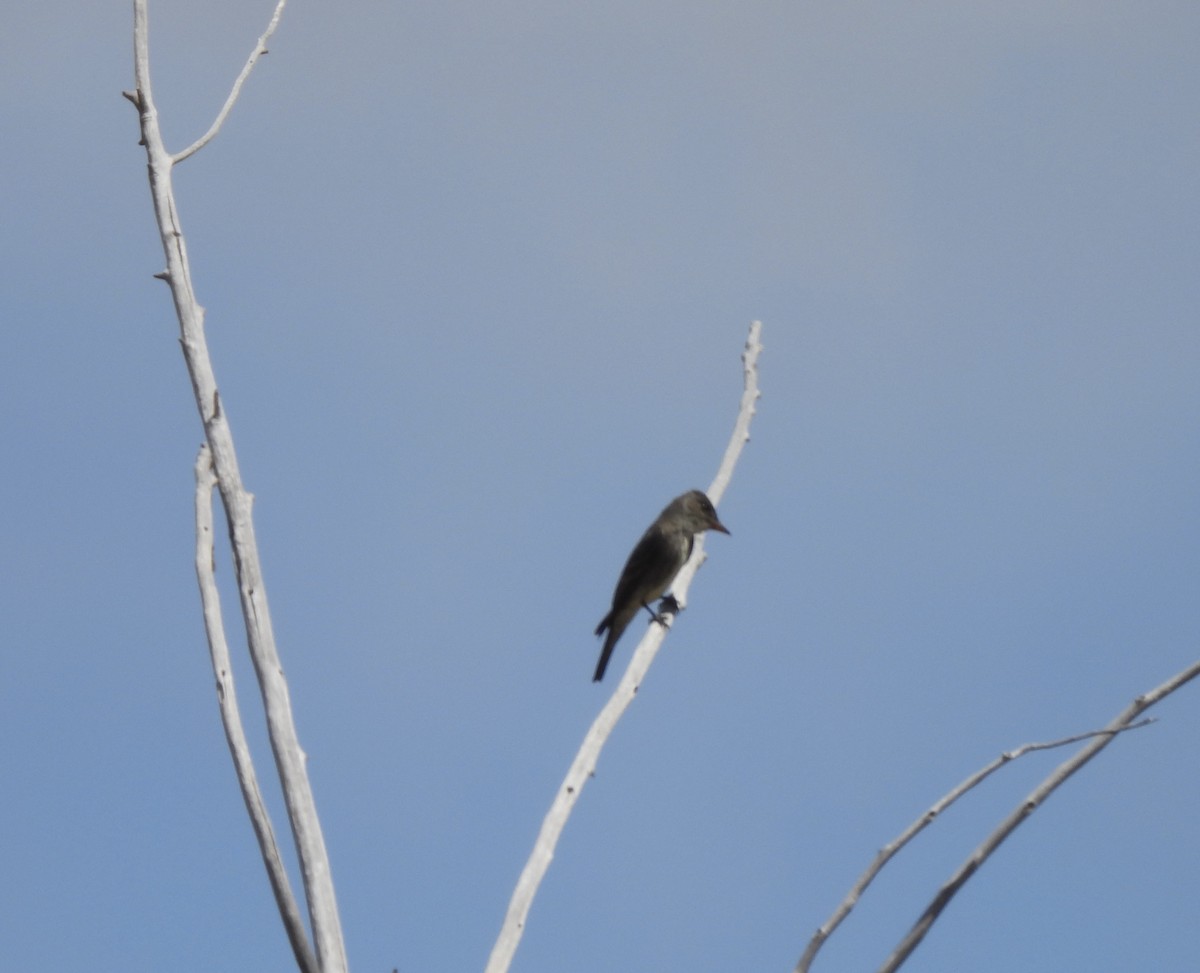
584,764
1056,779
231,718
890,850
259,50
313,858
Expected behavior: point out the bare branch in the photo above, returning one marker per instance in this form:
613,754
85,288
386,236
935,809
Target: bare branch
749,405
891,849
239,749
1056,779
237,501
259,50
584,764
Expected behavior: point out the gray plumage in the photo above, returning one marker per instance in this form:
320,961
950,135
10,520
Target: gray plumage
656,559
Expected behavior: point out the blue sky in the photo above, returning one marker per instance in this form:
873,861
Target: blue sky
477,278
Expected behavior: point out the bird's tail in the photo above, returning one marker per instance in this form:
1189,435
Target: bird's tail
609,643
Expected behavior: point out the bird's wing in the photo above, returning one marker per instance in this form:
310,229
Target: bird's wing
651,567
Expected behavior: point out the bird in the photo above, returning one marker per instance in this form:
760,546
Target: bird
656,559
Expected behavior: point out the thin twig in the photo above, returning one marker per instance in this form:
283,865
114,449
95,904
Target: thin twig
1056,779
259,50
891,849
746,411
584,764
239,748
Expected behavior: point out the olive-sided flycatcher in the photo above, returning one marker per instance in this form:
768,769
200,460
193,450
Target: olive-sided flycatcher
657,558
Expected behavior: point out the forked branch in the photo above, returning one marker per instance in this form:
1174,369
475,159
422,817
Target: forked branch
893,848
1059,776
313,859
231,718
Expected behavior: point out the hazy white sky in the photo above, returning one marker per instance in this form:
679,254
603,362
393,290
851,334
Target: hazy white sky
477,279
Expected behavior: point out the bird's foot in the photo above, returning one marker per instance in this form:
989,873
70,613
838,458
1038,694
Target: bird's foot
668,606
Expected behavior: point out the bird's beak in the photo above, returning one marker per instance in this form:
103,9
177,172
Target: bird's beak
717,525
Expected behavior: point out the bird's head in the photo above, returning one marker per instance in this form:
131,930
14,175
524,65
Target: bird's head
698,512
